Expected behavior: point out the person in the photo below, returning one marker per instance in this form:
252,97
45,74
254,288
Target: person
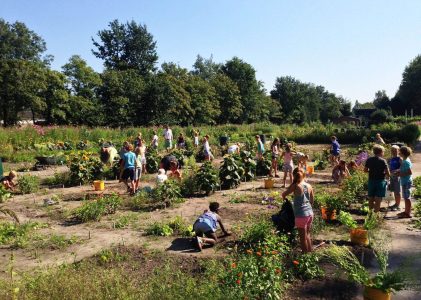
196,138
142,153
181,143
138,168
379,140
378,170
168,138
395,182
154,142
8,181
121,153
335,151
235,148
260,147
302,162
161,177
405,174
275,155
288,165
339,172
138,140
361,157
175,172
302,206
129,161
206,225
207,149
166,162
352,167
107,154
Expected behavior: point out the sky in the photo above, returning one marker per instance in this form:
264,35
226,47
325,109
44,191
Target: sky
352,47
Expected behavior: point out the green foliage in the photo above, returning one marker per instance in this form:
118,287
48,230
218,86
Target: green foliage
263,165
372,220
307,267
354,188
230,173
17,235
159,229
257,232
248,164
96,209
329,201
346,219
167,193
84,167
4,194
207,178
28,184
152,161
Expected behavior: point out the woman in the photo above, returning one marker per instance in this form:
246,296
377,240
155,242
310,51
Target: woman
302,205
275,155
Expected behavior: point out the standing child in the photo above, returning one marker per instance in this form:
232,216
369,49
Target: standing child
129,161
206,225
260,147
138,169
142,153
339,172
302,205
121,153
275,155
378,170
181,143
196,138
206,149
335,151
168,138
395,181
288,165
405,173
302,162
154,143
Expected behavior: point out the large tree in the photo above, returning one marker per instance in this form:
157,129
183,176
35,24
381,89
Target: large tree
206,68
381,100
409,94
127,46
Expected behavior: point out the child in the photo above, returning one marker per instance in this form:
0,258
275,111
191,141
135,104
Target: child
142,153
181,143
168,138
260,147
129,162
288,165
335,151
138,140
174,170
234,149
196,138
121,153
405,173
339,172
352,167
138,169
395,182
377,169
8,181
161,178
154,143
275,155
302,162
206,149
302,205
379,140
206,225
361,157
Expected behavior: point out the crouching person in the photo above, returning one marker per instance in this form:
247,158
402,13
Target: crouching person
206,225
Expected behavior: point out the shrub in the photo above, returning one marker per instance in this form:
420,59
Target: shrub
159,229
28,184
207,178
230,173
306,266
167,193
17,235
85,167
152,161
94,210
354,188
248,164
4,194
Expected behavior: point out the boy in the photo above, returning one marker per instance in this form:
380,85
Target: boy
395,182
7,181
168,138
129,163
335,151
405,173
154,143
377,169
206,225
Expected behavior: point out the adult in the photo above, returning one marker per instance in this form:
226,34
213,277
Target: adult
9,181
335,150
129,162
207,149
379,140
168,137
275,156
378,170
302,205
234,148
166,162
107,154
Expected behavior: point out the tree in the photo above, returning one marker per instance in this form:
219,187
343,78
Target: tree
379,116
408,95
56,98
206,68
381,100
127,46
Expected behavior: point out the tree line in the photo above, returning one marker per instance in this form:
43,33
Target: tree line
133,91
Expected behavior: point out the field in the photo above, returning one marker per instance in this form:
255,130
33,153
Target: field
109,245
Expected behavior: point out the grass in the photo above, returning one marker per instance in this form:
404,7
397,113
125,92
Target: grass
18,235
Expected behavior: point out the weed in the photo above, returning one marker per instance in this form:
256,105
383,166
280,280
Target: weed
28,184
94,210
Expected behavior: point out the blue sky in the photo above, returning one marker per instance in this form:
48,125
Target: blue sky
353,48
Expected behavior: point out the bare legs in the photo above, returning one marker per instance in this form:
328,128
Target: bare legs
305,239
374,203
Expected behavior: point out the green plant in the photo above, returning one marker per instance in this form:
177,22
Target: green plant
167,193
354,188
17,235
9,212
179,226
207,178
230,173
249,165
257,232
4,194
320,164
159,229
372,220
263,165
94,210
152,161
306,266
84,167
330,201
346,219
28,184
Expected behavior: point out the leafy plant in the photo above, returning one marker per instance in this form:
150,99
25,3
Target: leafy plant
248,164
306,266
4,194
354,187
152,160
372,220
207,178
95,210
84,167
167,193
17,235
230,173
159,229
346,219
263,165
329,201
28,184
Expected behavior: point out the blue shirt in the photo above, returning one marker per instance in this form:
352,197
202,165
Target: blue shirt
129,160
336,148
395,163
210,218
405,167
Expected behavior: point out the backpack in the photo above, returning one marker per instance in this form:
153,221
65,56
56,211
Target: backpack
284,220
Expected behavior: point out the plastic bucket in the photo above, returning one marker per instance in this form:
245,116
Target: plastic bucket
328,215
310,170
269,183
359,236
375,294
99,185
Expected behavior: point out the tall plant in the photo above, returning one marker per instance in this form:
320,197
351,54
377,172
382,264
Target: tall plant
207,178
230,173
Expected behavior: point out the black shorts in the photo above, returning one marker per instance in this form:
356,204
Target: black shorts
128,173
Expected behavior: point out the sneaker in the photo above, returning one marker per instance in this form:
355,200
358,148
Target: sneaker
199,243
394,208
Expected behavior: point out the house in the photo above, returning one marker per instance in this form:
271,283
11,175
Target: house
347,120
363,114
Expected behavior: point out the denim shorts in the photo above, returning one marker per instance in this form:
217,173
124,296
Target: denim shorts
377,188
395,185
406,190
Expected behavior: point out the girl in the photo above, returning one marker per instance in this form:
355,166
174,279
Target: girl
175,172
395,182
405,173
196,138
8,181
142,152
339,172
138,169
207,149
275,155
302,205
302,162
154,143
288,165
181,142
260,148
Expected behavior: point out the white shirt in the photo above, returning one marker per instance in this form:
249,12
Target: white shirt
161,178
155,140
232,149
207,147
168,134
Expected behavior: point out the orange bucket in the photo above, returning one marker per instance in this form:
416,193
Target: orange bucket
269,183
359,236
310,170
99,185
375,294
328,215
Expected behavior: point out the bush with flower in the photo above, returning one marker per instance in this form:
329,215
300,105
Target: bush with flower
84,167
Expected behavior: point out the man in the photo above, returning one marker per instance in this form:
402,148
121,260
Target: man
168,138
